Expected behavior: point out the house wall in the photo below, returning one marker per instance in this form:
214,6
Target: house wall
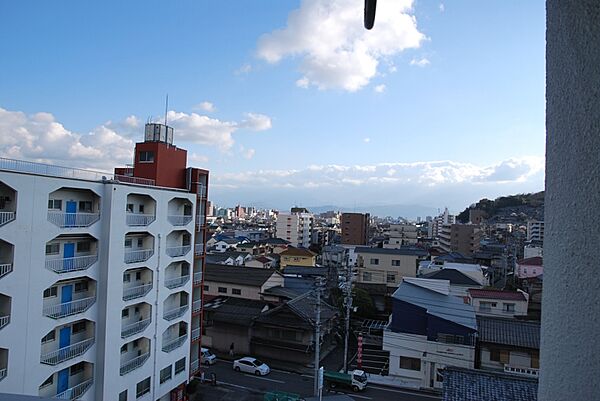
220,336
379,271
498,310
516,358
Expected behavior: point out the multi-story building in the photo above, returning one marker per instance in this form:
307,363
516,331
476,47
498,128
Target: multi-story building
98,275
387,266
436,224
295,227
355,228
463,238
400,235
535,231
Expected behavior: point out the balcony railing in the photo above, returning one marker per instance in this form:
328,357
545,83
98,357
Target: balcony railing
175,313
6,217
57,311
199,249
172,344
175,251
66,353
139,255
133,364
67,265
194,366
139,219
64,220
196,306
4,320
200,220
196,334
197,277
134,328
179,220
517,370
136,292
176,281
75,392
3,373
201,190
5,269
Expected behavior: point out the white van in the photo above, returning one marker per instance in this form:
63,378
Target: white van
207,357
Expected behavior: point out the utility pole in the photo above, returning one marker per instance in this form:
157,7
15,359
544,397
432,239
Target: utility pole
319,287
348,303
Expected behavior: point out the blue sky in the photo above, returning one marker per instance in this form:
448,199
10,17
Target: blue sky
442,103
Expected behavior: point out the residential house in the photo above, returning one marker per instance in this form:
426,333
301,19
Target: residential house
477,385
529,267
232,258
475,271
261,262
297,257
460,283
429,330
226,244
387,266
499,302
239,282
255,248
277,245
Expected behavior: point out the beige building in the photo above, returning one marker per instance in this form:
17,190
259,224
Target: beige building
499,302
297,257
387,266
463,238
401,235
239,282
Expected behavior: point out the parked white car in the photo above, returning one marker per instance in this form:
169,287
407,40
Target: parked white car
251,365
207,357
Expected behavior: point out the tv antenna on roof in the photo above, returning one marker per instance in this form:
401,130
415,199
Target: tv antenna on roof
166,108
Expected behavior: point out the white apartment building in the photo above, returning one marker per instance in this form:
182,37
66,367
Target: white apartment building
95,286
535,230
401,235
436,225
295,227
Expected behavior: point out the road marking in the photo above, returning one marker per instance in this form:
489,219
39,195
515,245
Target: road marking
264,378
237,385
404,392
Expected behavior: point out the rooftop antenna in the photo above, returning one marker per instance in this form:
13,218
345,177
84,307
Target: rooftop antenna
166,108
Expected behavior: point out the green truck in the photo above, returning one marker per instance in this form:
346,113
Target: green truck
356,380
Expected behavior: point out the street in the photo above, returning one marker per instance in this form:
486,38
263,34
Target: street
237,386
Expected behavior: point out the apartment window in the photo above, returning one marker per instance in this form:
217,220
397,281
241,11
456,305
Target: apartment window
535,360
236,291
140,242
123,395
55,204
84,246
124,349
52,249
410,363
48,381
223,290
128,242
508,307
165,374
81,286
391,278
78,327
141,209
136,310
485,306
126,277
125,313
49,337
129,208
85,206
142,387
499,355
50,292
147,157
396,262
138,276
136,343
374,261
367,276
180,366
206,288
77,368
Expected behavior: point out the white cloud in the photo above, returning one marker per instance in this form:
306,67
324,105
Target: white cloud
256,122
244,69
196,158
422,62
206,106
379,88
367,140
132,121
248,153
442,7
334,49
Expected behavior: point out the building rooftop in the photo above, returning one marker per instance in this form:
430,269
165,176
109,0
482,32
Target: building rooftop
306,270
237,275
476,385
535,261
454,276
235,310
505,331
293,251
408,251
497,294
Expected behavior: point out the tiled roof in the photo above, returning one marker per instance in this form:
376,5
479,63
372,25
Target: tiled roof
535,261
389,251
497,294
237,275
453,275
236,310
292,251
512,332
477,385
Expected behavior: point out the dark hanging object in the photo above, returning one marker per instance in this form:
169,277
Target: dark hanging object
370,6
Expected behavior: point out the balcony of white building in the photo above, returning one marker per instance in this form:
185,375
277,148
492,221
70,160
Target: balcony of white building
194,358
69,253
135,319
3,363
69,383
177,274
139,247
140,210
174,336
134,354
196,302
73,207
5,310
179,243
195,328
69,297
136,283
67,342
8,204
6,258
198,273
180,212
176,305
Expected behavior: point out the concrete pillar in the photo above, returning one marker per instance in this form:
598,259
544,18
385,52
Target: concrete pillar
570,343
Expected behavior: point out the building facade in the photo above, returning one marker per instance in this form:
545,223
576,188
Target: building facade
295,227
355,228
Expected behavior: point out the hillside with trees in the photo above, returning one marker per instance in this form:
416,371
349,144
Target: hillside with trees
520,203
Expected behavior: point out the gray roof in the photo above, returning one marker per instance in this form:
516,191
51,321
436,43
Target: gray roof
389,251
452,275
237,275
236,310
283,292
505,331
445,306
304,307
305,270
476,385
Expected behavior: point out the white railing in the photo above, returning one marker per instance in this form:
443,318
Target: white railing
67,172
134,328
176,281
175,251
3,373
75,392
134,363
66,353
68,308
194,366
136,292
196,334
199,220
196,306
4,320
140,255
532,372
197,277
171,344
67,265
175,313
5,269
179,220
63,220
6,217
139,219
199,249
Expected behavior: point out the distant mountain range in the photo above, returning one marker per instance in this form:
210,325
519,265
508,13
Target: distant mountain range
395,210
